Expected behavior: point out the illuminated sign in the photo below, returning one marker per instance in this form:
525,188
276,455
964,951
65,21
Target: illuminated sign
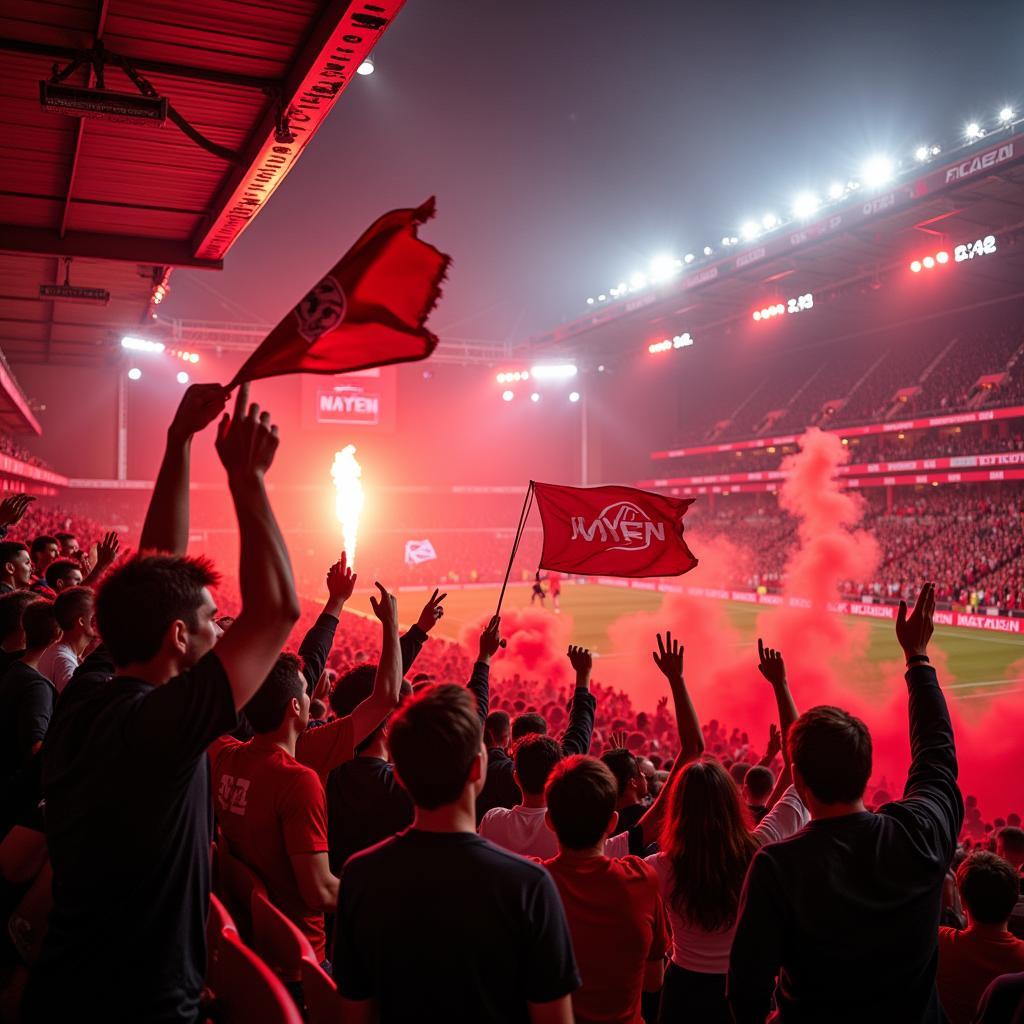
961,254
679,341
797,305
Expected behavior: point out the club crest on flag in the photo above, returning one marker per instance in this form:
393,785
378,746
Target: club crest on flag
321,310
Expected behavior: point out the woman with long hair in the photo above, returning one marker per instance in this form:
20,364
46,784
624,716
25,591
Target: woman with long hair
707,842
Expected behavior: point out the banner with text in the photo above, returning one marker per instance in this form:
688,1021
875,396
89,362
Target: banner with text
366,398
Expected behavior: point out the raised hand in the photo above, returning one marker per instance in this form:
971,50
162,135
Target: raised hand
386,608
914,632
618,739
669,658
663,704
106,550
774,743
13,508
490,640
770,664
341,580
580,659
246,441
431,613
200,406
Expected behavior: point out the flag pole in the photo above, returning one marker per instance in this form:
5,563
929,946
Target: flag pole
527,502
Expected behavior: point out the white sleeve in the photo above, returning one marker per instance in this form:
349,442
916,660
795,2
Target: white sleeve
617,846
787,817
63,669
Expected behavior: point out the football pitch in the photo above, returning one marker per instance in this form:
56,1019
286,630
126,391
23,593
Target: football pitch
979,663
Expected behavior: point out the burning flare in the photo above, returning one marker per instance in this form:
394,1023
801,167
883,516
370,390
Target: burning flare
348,505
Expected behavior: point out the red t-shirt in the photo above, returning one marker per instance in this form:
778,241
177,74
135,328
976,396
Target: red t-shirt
270,808
969,961
618,925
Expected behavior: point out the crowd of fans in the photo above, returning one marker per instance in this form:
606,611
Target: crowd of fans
438,841
8,446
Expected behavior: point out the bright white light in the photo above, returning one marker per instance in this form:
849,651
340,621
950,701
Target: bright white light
936,150
553,371
726,240
877,171
614,293
835,190
574,396
535,397
942,257
973,130
916,267
590,301
663,266
749,230
1006,115
637,280
348,502
141,345
769,220
757,314
182,377
707,250
689,258
507,396
602,298
805,205
135,373
928,262
366,68
922,153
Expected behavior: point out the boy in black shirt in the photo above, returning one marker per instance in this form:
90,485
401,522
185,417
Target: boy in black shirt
437,923
846,912
124,765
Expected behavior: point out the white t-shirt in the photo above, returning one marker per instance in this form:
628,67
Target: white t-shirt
521,830
708,952
58,664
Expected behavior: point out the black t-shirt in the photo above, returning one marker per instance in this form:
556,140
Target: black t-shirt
447,926
26,705
365,804
128,826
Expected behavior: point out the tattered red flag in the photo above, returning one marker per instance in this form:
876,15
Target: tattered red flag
612,531
370,310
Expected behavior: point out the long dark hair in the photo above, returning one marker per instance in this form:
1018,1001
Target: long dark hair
708,841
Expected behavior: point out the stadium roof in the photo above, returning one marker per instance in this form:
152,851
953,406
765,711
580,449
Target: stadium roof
848,248
247,87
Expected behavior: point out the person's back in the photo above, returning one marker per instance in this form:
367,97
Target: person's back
846,912
971,959
483,930
613,906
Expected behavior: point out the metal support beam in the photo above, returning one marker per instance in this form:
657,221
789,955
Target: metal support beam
158,252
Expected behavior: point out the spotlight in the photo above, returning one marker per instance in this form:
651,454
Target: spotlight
916,266
749,230
507,396
726,241
182,377
707,250
574,396
689,258
367,67
757,314
805,205
535,397
936,150
877,171
141,344
942,257
769,220
1006,115
973,131
638,280
554,371
590,301
602,298
600,368
922,153
662,266
928,262
135,373
835,190
501,378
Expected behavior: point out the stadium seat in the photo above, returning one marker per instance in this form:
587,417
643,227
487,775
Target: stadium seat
278,940
323,1004
218,925
236,883
247,991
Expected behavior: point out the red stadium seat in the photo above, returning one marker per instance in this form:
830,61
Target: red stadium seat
236,883
323,1004
247,991
276,938
218,925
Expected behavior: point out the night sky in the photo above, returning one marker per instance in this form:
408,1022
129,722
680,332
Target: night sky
568,141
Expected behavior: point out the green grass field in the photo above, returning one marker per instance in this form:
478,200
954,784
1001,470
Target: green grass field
978,662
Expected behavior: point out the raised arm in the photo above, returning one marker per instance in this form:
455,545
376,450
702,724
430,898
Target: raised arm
581,714
669,659
316,644
106,555
246,443
931,793
387,686
773,668
480,680
12,509
166,525
415,637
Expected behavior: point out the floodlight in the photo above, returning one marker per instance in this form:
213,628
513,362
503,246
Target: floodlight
922,153
805,205
535,397
708,250
769,220
928,262
916,267
749,230
135,373
689,258
507,396
141,345
1006,115
182,377
973,131
367,67
877,171
103,104
574,396
590,301
942,257
662,266
638,280
835,190
553,371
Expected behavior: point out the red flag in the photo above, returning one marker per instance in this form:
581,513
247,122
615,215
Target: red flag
613,531
369,310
